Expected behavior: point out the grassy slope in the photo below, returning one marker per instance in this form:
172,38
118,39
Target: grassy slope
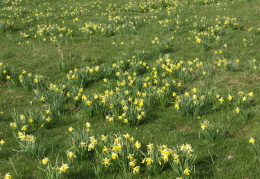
224,158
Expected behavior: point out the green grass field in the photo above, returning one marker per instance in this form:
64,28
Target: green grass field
129,89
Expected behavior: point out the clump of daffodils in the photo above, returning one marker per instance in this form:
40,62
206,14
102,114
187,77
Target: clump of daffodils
212,131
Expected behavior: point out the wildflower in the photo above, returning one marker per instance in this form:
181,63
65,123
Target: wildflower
114,155
186,147
130,156
30,120
45,160
150,146
137,145
149,161
203,126
30,138
132,163
87,124
71,154
229,97
125,108
110,119
240,93
187,172
221,100
48,119
105,149
24,128
91,147
251,94
13,124
22,117
47,111
194,90
252,140
136,169
71,129
82,144
7,176
106,161
64,167
237,110
127,136
131,139
103,138
2,142
139,117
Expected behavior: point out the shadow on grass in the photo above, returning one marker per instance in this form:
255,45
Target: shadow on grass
205,167
151,116
80,175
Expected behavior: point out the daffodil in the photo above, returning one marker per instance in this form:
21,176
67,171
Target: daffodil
71,154
186,172
252,140
71,129
7,176
136,169
2,142
237,110
106,161
114,155
45,160
127,136
64,167
137,145
87,124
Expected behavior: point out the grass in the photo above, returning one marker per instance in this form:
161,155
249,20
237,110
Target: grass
104,33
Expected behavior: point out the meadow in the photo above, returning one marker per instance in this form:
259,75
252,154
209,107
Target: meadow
129,89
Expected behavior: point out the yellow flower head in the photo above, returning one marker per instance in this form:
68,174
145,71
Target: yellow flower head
136,169
45,160
64,167
132,163
2,142
71,129
24,128
71,154
137,145
252,140
13,124
186,171
203,127
237,110
7,176
87,124
106,161
127,136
